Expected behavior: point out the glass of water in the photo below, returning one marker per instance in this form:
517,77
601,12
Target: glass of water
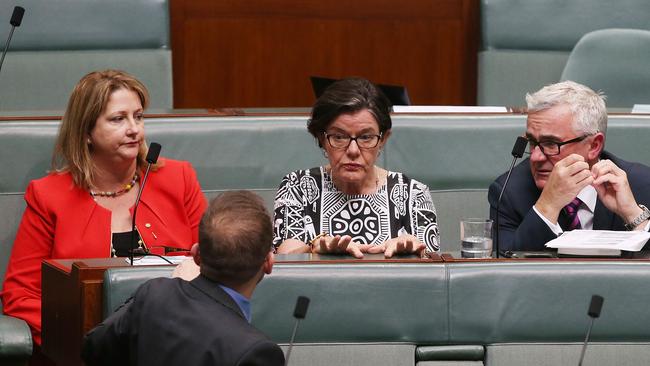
476,238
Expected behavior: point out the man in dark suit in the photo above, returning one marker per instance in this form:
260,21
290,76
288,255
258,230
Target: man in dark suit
204,321
569,181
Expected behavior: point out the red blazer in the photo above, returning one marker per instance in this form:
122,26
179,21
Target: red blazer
62,220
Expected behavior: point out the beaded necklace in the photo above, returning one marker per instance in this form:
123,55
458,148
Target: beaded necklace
127,187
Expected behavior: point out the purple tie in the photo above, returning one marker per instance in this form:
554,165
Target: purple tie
572,213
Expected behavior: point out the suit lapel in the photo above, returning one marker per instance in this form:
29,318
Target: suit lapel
603,218
215,292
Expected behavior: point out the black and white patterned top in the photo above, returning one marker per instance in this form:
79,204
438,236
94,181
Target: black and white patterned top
308,203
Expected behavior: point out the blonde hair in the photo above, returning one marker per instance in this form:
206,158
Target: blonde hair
87,102
587,106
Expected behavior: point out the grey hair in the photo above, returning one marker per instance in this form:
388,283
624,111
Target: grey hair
587,106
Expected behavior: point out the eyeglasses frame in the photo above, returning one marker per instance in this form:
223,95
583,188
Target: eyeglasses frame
532,142
327,135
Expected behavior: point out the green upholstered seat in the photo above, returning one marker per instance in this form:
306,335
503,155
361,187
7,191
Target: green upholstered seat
60,41
526,44
614,61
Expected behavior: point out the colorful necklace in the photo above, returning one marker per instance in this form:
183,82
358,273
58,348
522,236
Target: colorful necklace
127,187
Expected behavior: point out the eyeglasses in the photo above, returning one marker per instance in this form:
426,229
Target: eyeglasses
551,148
341,141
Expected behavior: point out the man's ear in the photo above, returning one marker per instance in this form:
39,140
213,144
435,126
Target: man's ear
269,261
195,253
596,146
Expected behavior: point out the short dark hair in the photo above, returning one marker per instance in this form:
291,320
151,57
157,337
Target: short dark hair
349,96
235,236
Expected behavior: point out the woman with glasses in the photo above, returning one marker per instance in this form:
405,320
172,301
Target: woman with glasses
350,205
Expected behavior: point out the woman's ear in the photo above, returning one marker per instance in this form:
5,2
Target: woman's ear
384,138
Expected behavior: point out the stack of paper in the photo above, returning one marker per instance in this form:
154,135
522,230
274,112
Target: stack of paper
599,242
152,260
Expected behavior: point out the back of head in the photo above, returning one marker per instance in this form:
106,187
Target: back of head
349,96
87,102
587,106
235,236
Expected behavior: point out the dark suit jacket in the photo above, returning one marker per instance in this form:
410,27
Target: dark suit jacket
175,322
520,228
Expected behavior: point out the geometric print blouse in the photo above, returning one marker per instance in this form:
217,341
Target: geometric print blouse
308,203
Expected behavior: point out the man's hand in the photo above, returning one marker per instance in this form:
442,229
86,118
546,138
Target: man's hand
614,190
569,176
403,244
338,244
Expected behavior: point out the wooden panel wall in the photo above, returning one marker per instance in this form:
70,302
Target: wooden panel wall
260,53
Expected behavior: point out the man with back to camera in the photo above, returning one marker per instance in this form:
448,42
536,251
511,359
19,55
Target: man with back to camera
568,172
204,321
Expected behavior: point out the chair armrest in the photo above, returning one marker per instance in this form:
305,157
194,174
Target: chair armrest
15,338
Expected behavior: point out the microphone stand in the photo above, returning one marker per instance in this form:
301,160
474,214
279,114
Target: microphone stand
595,306
300,311
151,158
517,152
16,19
135,210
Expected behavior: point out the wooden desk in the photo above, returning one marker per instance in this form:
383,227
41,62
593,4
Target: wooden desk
455,257
72,304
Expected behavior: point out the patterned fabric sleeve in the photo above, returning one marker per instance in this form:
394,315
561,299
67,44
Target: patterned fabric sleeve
423,216
287,203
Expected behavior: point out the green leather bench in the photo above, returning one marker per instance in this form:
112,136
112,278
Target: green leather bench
516,313
60,41
526,44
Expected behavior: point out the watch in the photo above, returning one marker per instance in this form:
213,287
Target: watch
639,219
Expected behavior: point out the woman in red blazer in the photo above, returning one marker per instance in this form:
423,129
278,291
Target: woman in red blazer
83,208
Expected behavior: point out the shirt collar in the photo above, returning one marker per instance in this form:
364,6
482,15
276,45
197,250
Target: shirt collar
243,303
588,196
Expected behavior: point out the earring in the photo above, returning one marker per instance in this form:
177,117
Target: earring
325,154
88,142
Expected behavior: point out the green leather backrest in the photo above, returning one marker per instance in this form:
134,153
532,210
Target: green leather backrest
120,284
547,301
440,304
614,61
60,41
355,302
370,302
525,44
444,152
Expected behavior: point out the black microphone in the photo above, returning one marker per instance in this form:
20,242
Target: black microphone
16,19
299,313
152,158
595,306
517,152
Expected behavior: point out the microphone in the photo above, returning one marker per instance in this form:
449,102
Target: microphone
152,158
594,312
517,152
16,19
299,313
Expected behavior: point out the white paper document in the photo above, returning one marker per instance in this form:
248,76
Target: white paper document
599,242
152,260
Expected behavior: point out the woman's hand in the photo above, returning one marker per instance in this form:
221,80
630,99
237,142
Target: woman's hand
338,244
403,244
